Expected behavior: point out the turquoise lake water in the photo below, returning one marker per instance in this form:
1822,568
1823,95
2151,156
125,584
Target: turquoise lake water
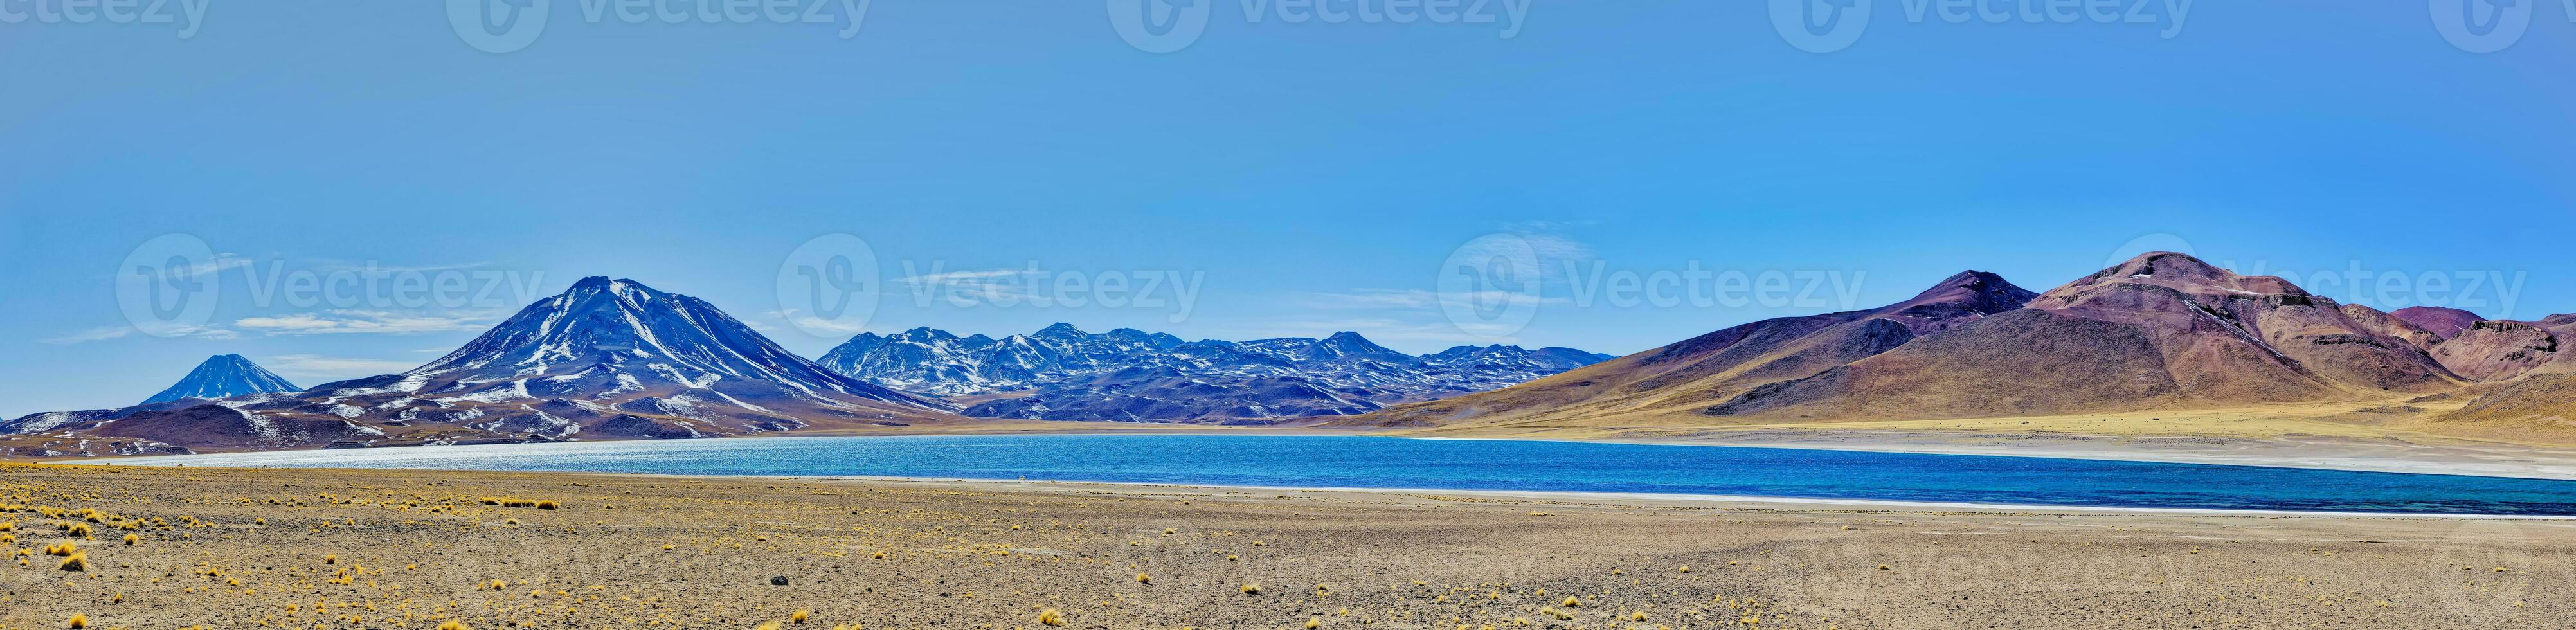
1382,462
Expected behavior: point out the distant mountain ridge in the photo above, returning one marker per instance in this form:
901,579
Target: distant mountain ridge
2162,331
606,359
1695,373
1063,373
224,376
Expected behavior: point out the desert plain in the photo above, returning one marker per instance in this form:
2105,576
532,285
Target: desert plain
241,548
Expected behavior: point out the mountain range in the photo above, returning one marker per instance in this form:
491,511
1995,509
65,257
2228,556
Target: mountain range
606,359
1063,373
2163,331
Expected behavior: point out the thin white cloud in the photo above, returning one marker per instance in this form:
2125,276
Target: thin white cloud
809,323
350,321
87,335
104,333
1549,225
318,365
1394,331
985,285
965,276
1417,298
1373,298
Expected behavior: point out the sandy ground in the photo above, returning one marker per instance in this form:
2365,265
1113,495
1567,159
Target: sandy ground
405,549
2340,436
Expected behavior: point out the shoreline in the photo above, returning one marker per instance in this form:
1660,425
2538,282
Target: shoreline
2466,459
1656,499
2320,455
1784,502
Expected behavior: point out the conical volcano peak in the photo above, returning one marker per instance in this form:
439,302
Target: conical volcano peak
224,376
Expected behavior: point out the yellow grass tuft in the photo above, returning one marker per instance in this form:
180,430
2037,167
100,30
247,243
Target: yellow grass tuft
1251,589
1314,622
132,539
452,625
1144,579
1050,617
800,616
330,558
79,621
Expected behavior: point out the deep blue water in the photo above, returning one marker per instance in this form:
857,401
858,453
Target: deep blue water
1381,462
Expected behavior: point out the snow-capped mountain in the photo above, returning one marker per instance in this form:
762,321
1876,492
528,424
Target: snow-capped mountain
607,359
1063,373
224,376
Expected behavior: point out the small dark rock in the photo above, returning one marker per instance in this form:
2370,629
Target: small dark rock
778,580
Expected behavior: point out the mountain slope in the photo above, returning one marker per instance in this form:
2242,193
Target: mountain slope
607,359
1063,373
2505,350
2446,322
1684,376
2161,330
224,376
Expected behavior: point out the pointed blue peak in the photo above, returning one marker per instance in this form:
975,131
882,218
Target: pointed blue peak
1060,328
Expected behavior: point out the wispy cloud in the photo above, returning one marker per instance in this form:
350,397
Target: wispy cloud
351,321
808,323
87,335
318,365
985,285
104,333
1549,225
1392,330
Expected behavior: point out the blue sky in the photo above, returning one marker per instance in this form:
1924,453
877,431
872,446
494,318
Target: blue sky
1302,178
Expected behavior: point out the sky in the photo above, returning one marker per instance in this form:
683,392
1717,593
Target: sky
1611,176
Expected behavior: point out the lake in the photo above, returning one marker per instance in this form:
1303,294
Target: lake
1400,463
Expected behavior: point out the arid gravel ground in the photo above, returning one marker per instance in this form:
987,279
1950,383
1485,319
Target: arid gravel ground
392,549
